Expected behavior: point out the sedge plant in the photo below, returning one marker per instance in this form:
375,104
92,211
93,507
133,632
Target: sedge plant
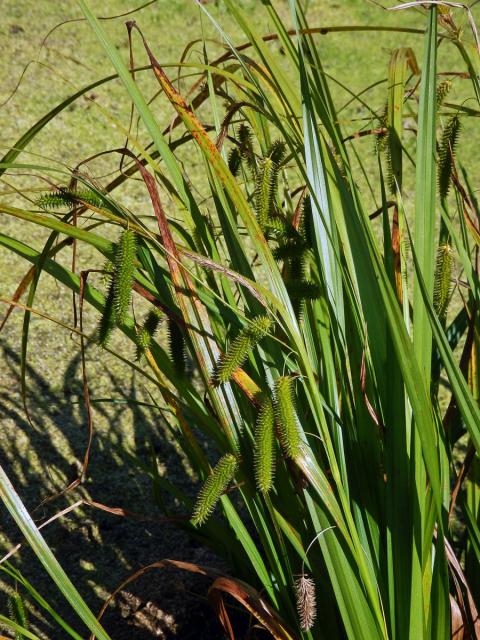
318,333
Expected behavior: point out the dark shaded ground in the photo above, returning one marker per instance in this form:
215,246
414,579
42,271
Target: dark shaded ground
98,549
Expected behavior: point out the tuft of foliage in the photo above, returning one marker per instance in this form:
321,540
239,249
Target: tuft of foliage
213,488
286,417
123,273
265,447
446,155
241,346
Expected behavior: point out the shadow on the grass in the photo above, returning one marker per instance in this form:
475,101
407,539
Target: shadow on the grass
98,550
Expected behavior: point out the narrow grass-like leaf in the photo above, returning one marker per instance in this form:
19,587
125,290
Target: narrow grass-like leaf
43,552
17,613
20,632
19,578
425,204
425,195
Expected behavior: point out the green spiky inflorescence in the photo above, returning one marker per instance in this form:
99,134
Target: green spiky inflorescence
300,293
277,225
446,155
276,152
200,233
293,250
389,173
245,146
266,184
299,287
286,417
265,447
243,152
108,318
107,272
303,290
146,332
382,145
143,340
442,287
68,198
264,191
380,139
305,227
213,488
338,160
443,89
123,274
239,349
234,161
17,613
176,345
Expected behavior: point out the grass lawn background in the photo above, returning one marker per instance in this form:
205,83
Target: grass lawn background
96,549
